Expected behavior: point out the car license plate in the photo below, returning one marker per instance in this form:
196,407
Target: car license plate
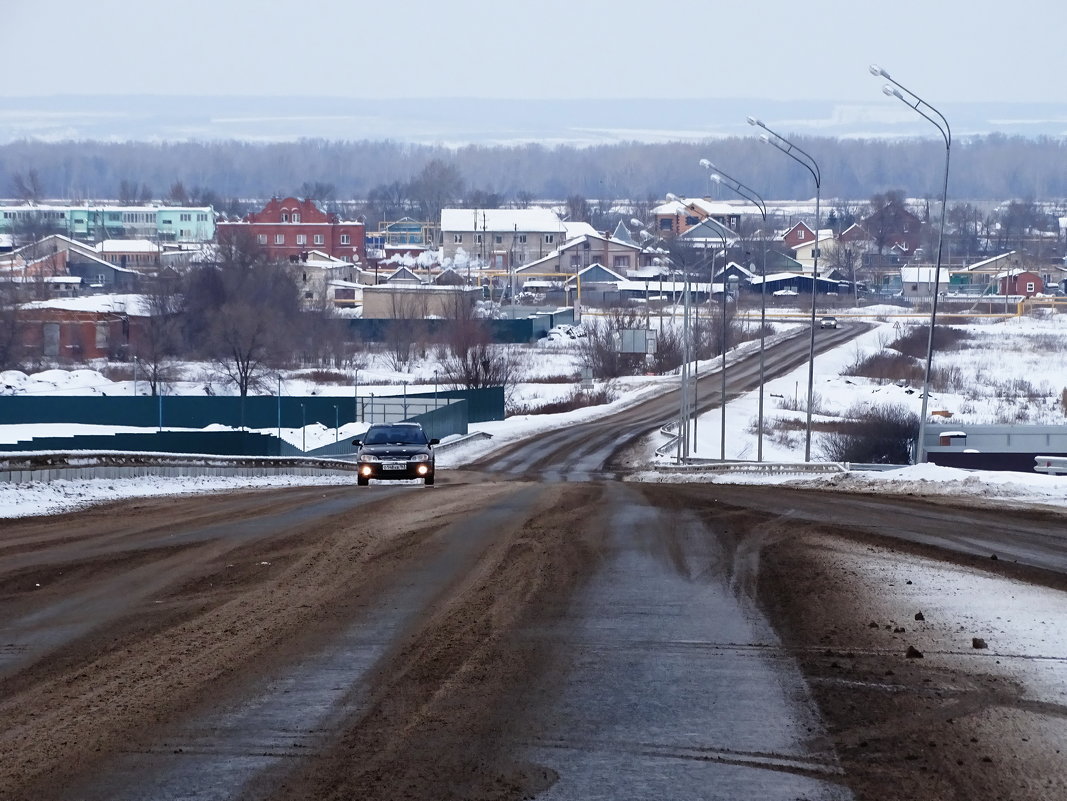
394,466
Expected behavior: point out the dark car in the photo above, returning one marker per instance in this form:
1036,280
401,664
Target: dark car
395,452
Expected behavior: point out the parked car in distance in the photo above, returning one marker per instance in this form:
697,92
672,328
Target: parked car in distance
395,452
828,322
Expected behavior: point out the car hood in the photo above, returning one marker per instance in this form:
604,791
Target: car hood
394,450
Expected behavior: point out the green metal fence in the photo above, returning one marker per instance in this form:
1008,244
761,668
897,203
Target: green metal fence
442,413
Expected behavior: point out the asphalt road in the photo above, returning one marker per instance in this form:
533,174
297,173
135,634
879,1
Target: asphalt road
534,626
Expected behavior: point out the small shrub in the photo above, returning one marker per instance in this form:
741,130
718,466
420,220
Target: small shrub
551,379
948,379
915,340
325,377
800,403
576,399
886,366
119,372
881,434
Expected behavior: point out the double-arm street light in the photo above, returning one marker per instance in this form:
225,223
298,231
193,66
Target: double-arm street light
751,196
807,162
937,119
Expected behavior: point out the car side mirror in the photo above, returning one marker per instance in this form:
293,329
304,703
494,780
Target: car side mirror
357,442
435,441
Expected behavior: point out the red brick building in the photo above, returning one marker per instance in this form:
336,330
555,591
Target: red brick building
288,227
70,335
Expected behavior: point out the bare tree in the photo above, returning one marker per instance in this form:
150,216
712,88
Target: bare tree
599,350
157,339
577,209
27,186
469,357
436,186
178,194
401,335
242,312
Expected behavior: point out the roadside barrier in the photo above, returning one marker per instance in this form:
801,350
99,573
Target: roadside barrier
20,468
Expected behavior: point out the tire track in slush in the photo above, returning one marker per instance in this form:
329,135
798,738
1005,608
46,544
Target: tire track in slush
285,716
676,684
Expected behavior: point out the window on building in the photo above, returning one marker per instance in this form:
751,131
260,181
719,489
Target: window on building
346,239
201,218
296,216
498,239
800,233
285,216
457,239
477,239
550,238
1030,288
279,239
186,218
665,224
301,239
691,220
319,239
101,335
621,261
522,239
262,239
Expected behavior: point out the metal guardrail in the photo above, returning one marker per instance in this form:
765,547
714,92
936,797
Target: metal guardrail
40,466
1052,465
765,468
453,443
44,466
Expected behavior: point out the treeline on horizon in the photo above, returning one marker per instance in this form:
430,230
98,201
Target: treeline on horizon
986,168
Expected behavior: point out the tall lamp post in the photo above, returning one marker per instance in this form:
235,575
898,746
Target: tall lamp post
751,196
725,330
937,119
685,407
807,162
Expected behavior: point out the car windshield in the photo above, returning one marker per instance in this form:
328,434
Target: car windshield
395,435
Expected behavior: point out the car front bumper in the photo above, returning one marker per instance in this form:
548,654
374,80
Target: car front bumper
395,471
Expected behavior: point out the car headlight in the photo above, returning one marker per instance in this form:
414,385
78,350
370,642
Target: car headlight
420,457
366,457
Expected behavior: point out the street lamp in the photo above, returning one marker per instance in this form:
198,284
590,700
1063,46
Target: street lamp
750,195
917,104
684,405
722,400
807,162
336,424
304,429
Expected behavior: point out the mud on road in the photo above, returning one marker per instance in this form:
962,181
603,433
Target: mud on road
74,700
950,725
122,626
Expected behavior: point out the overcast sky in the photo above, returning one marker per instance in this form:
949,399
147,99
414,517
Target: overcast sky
945,50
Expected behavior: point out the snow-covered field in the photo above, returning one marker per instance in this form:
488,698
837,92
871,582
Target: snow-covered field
998,359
